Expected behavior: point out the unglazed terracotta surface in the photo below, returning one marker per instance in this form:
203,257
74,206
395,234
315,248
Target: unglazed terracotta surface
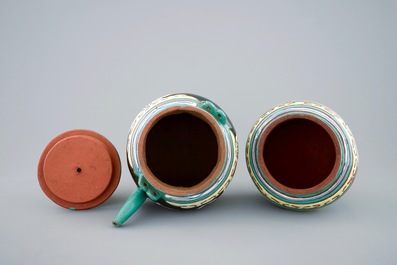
212,185
182,153
182,150
79,169
301,155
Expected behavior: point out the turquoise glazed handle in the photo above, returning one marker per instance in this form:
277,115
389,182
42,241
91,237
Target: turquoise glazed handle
132,204
182,153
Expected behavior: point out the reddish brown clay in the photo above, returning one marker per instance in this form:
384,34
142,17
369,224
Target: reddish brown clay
299,154
190,132
79,169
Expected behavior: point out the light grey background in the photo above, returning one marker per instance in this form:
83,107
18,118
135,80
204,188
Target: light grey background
96,64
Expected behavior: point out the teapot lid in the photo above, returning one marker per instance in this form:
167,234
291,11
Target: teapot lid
79,169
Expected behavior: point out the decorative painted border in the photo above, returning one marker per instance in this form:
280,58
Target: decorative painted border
347,169
206,196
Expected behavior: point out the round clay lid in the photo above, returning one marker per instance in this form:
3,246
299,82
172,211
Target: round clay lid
79,169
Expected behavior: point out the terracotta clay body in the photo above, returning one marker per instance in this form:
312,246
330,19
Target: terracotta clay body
79,169
181,152
301,155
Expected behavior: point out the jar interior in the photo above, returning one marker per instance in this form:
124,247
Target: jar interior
299,153
181,149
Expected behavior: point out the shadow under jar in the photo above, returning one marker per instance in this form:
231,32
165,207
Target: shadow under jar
181,152
301,155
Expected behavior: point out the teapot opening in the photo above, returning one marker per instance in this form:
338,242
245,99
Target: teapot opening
300,154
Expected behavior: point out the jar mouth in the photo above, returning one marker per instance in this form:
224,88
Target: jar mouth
299,154
181,150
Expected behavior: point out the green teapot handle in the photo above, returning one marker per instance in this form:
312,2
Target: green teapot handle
132,204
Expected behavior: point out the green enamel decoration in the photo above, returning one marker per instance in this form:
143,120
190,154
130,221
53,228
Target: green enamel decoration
151,192
217,113
132,204
329,191
184,195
